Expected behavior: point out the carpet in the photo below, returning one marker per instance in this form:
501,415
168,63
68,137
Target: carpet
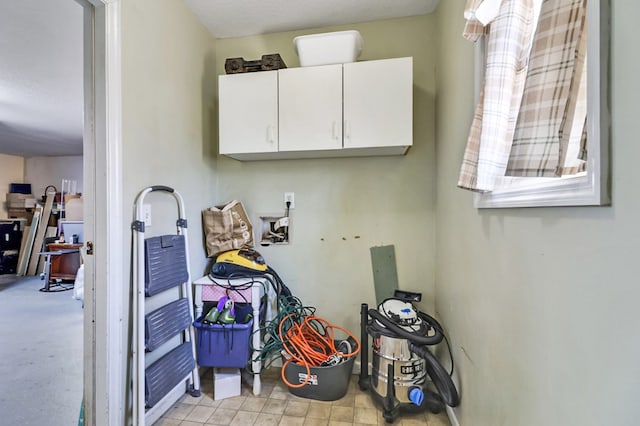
7,280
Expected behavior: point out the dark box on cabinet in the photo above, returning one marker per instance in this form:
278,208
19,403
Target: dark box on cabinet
267,63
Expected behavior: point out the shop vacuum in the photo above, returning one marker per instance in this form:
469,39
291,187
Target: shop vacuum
405,375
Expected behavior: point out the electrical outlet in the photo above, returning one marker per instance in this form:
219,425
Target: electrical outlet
290,197
146,214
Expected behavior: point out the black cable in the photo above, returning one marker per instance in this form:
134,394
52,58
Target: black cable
283,288
435,324
286,229
237,288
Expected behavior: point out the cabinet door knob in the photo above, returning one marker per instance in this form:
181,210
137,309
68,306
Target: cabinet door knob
347,129
334,130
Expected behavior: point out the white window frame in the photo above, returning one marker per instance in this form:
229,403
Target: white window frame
591,188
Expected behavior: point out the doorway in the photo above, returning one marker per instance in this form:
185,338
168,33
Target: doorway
41,108
104,356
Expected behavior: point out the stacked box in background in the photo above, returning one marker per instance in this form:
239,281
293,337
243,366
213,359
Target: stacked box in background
16,201
20,201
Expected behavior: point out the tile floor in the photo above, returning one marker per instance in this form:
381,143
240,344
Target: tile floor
277,407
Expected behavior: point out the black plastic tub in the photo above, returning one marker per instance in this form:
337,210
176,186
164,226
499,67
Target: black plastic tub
325,384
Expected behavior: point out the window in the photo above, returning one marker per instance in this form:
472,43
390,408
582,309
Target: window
590,187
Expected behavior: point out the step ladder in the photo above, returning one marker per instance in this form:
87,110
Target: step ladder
163,344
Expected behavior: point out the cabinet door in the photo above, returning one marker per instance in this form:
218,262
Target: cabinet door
310,108
378,103
248,105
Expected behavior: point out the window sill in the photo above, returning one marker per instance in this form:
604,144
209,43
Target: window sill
580,190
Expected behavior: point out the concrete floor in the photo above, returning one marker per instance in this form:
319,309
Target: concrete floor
40,353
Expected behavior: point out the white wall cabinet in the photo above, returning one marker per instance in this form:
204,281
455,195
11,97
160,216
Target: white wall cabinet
248,113
378,103
310,108
353,109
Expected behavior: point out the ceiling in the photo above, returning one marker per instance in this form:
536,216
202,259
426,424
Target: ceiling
41,97
234,18
41,77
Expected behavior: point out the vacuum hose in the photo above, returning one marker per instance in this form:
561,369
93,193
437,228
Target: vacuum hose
439,375
420,340
418,345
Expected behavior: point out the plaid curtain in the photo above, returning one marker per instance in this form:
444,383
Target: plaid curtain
526,124
573,130
508,44
552,116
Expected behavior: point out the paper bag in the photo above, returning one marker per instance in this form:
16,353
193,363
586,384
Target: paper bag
226,227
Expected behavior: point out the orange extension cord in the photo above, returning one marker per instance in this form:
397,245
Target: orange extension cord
310,343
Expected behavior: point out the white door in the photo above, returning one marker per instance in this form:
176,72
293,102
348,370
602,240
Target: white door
378,103
248,105
310,108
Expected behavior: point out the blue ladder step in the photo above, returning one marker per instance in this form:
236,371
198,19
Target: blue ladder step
165,323
164,374
165,263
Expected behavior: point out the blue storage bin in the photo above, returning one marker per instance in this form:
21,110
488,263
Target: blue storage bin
224,345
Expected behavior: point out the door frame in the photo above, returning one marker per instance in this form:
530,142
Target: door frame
105,356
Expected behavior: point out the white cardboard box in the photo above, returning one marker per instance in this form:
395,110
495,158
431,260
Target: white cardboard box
226,383
328,48
20,201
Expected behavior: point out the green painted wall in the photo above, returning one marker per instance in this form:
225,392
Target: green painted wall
167,126
345,206
168,114
541,304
